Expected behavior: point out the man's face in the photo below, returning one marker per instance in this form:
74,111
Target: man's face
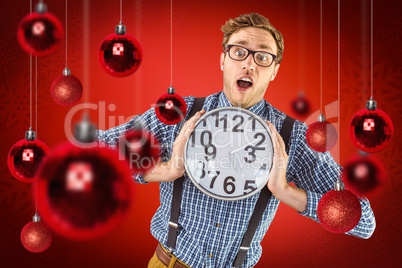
255,39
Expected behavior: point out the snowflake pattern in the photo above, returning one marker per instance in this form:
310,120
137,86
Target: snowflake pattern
15,102
389,25
14,108
11,57
50,67
10,243
351,18
16,194
356,90
320,241
13,193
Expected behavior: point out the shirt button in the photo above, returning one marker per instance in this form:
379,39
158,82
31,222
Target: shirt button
218,225
210,255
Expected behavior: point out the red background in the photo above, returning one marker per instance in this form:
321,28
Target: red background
292,240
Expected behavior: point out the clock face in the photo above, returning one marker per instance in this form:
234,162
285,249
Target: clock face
229,155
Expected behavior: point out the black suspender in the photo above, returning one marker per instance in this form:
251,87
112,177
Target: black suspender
177,190
259,209
262,202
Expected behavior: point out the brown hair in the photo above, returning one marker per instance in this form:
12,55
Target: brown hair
252,20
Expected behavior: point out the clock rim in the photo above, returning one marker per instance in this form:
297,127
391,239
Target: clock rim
193,181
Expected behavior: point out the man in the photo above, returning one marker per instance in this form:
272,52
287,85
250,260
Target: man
210,231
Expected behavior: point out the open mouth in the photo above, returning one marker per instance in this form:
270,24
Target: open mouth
244,84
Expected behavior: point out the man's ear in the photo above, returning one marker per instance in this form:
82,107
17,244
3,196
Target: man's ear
275,72
222,60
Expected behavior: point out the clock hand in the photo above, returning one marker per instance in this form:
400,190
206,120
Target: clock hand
238,149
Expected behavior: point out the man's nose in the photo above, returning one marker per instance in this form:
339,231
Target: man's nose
248,63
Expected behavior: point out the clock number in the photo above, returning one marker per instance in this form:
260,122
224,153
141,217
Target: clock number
198,170
214,178
228,183
204,122
216,114
247,186
253,122
236,127
251,153
210,155
225,122
223,118
261,141
254,148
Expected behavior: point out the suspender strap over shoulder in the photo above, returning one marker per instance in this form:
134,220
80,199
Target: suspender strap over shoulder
178,189
262,202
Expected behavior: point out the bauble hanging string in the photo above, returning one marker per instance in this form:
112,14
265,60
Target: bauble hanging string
171,107
26,155
40,33
339,210
321,136
371,129
35,236
120,54
66,89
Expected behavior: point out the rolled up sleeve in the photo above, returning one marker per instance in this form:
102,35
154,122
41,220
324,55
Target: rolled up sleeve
317,173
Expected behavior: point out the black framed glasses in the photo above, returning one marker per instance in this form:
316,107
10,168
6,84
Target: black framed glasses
261,58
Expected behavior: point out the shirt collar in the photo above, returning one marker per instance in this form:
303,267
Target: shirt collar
258,108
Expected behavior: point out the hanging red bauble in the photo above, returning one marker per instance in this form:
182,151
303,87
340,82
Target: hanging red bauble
300,105
66,89
40,33
36,236
363,174
339,210
120,54
371,130
83,192
171,108
140,149
25,157
321,136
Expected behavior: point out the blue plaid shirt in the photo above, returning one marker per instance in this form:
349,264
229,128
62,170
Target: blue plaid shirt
210,230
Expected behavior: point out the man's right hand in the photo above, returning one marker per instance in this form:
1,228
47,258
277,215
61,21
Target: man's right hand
174,168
